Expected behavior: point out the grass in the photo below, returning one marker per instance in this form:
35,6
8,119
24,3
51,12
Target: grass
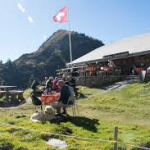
27,93
130,103
100,112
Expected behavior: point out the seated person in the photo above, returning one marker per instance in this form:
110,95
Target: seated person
64,97
55,84
48,86
44,82
72,82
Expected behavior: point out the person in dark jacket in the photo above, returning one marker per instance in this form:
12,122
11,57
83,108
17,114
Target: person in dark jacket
72,82
48,86
64,97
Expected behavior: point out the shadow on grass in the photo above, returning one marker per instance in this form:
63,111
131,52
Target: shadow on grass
86,123
145,145
11,103
81,96
6,146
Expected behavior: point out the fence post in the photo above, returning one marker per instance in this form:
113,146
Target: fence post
115,138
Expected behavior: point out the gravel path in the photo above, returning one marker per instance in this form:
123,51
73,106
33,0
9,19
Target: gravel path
122,84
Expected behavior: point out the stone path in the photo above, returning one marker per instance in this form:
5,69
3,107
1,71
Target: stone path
122,84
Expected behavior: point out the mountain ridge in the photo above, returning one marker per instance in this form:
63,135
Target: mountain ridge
51,55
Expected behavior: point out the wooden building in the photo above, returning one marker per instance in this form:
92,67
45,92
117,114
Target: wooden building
127,54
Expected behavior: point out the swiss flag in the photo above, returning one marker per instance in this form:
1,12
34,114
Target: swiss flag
61,16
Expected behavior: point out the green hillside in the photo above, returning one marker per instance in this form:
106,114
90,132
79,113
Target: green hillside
101,110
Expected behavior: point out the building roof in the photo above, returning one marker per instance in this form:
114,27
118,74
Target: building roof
132,45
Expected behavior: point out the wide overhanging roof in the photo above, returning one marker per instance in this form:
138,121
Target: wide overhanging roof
132,45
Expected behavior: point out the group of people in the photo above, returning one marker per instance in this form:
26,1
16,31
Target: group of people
65,86
50,84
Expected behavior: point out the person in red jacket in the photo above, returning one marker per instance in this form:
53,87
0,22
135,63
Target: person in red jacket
55,84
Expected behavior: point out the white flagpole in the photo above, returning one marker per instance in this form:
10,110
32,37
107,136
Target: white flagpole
70,45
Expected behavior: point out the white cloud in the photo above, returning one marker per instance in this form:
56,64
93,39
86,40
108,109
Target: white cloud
21,8
30,19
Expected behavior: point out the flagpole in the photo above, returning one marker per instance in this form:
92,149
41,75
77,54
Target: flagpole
70,44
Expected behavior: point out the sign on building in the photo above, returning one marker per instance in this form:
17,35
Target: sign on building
117,55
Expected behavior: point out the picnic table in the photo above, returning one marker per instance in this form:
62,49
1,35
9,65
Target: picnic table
5,89
10,93
48,99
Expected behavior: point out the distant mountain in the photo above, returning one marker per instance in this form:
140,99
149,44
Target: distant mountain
51,55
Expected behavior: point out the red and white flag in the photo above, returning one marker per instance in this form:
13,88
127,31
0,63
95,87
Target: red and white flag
61,16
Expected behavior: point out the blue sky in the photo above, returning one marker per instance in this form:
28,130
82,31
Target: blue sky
25,24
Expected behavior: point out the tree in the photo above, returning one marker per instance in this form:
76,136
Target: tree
1,63
8,64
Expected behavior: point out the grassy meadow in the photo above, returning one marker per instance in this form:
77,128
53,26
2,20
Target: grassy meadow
99,112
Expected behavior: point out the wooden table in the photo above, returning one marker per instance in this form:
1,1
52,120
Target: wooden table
7,89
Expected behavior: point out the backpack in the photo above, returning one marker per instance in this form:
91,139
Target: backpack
35,100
